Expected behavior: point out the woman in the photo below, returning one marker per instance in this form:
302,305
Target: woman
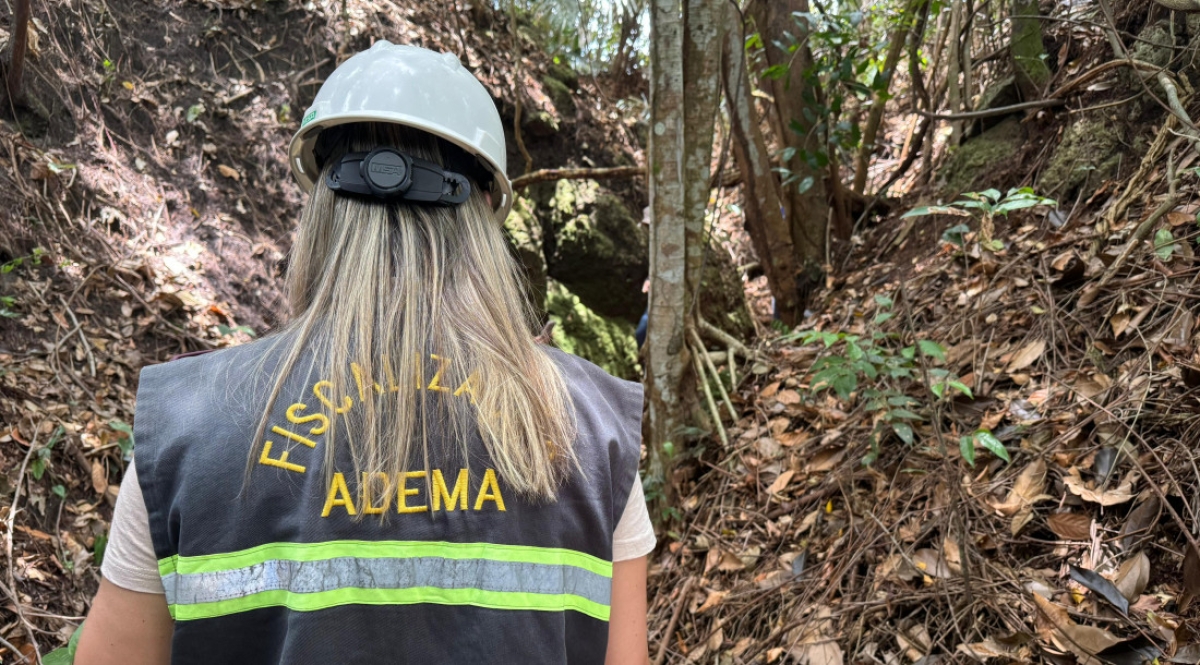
400,474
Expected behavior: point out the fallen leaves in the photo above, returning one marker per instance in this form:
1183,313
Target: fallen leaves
1087,490
1070,526
1028,489
1026,355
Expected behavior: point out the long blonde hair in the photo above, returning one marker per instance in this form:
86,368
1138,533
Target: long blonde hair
418,316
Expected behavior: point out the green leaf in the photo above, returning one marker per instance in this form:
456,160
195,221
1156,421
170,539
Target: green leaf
65,655
125,443
775,72
37,467
954,235
992,195
987,440
962,388
1164,244
883,317
1010,205
933,210
194,111
903,431
59,491
905,414
966,445
99,548
226,330
61,656
932,349
883,301
972,205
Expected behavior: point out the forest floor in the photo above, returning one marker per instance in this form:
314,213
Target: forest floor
147,208
1075,549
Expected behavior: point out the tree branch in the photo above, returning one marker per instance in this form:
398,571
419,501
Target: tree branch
546,175
988,113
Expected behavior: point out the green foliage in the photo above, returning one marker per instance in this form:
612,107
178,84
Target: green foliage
41,456
879,370
99,548
985,438
125,443
35,258
848,49
65,655
584,34
580,331
8,302
1164,244
987,204
227,331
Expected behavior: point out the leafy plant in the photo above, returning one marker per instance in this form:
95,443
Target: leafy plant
41,456
6,305
847,69
985,206
64,655
125,443
1164,244
985,438
35,258
877,369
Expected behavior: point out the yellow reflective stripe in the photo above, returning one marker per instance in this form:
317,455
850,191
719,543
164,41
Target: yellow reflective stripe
381,549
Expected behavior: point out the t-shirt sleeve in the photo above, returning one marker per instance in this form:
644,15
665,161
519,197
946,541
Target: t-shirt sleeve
129,560
634,536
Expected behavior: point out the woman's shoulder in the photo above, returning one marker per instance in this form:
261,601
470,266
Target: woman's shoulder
243,356
588,380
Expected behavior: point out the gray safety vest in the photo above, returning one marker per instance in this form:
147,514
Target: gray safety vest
279,570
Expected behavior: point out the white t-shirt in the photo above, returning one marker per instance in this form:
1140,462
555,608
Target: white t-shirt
129,560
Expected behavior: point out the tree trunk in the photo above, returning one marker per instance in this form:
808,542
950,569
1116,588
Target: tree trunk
20,41
879,100
807,208
1028,53
765,222
703,31
684,71
665,354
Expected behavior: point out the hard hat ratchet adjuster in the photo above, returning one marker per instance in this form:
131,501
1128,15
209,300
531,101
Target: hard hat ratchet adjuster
388,174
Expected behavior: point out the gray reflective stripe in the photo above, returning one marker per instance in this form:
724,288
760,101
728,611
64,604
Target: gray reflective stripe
386,573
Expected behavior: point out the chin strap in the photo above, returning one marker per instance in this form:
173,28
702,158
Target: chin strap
389,175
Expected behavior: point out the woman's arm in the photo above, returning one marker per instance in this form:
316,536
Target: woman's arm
627,620
127,628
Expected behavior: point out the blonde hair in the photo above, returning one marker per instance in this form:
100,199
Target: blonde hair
395,302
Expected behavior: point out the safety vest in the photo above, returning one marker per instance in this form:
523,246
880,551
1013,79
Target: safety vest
279,570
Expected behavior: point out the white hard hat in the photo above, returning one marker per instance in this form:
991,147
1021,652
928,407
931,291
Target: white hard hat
409,86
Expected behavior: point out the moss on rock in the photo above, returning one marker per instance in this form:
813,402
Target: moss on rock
607,342
1090,150
560,95
595,246
979,156
1155,44
525,236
